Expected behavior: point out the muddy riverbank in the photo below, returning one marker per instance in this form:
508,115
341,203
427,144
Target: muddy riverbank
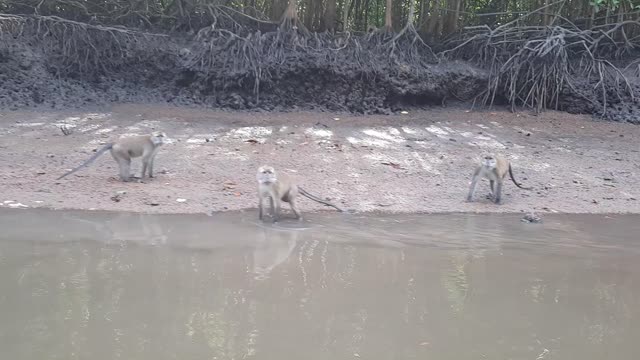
415,162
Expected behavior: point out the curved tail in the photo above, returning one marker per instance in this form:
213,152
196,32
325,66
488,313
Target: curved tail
314,198
514,180
91,159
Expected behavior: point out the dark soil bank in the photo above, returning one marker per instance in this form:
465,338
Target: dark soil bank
75,67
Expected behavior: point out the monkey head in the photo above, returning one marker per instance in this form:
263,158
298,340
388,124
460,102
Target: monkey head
158,137
489,161
266,175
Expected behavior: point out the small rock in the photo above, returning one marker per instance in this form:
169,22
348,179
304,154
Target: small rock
50,155
531,217
119,195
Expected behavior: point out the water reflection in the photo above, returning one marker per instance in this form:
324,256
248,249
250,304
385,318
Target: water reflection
272,248
126,286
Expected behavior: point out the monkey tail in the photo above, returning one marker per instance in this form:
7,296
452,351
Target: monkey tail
91,159
315,198
514,180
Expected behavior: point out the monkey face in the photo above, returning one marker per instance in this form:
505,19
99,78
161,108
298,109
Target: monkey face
266,175
158,137
489,161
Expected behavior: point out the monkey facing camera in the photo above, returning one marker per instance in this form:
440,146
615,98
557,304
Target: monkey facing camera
493,168
277,187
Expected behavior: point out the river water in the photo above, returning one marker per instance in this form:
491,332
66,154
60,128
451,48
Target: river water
96,285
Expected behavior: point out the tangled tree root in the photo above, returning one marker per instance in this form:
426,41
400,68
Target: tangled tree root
80,49
231,64
536,66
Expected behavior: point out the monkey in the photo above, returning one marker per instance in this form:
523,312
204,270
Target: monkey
126,148
279,187
494,168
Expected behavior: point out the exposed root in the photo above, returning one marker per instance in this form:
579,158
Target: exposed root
534,66
76,48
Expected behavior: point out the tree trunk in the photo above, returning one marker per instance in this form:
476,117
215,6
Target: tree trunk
329,19
345,16
546,12
366,15
292,11
278,7
424,16
432,23
388,26
451,17
308,14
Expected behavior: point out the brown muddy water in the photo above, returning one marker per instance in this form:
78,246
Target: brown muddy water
94,285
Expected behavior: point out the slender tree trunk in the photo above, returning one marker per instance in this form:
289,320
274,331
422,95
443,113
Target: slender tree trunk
388,26
329,19
278,7
357,14
456,16
366,15
546,12
424,16
432,23
592,17
397,13
318,14
345,16
308,14
412,12
291,13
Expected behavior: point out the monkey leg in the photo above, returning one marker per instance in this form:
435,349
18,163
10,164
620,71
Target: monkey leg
260,207
294,208
124,165
498,194
271,206
276,209
145,165
472,189
151,165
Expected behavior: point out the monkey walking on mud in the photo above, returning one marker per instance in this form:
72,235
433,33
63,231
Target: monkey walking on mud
126,148
279,187
494,168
